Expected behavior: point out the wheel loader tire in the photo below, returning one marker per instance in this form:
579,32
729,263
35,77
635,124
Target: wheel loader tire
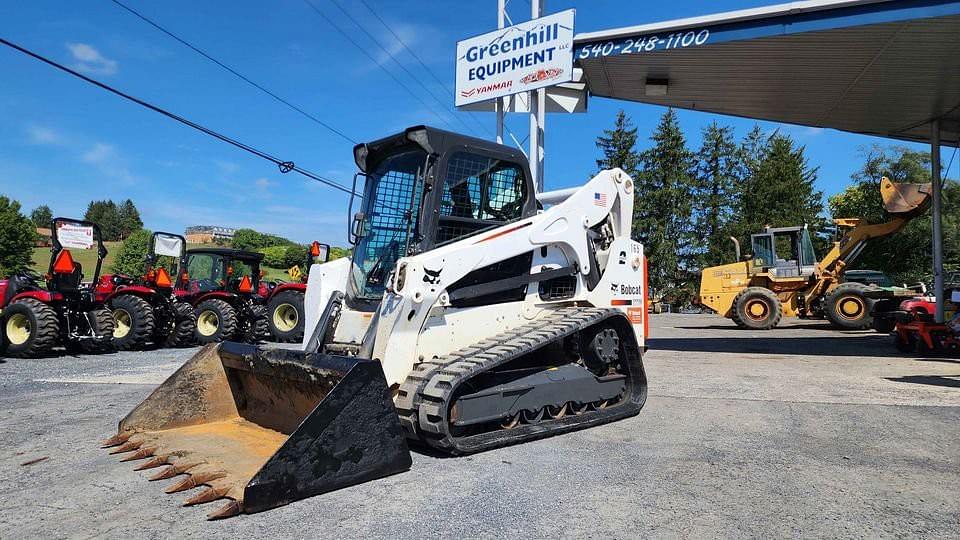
285,317
757,308
216,321
133,322
847,307
102,320
184,326
257,328
30,328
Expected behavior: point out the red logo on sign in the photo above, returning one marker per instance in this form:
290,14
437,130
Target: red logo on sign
542,75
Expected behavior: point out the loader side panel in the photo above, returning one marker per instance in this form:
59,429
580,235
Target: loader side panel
719,285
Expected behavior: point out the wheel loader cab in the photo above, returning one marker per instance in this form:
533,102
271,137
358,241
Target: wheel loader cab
784,252
427,187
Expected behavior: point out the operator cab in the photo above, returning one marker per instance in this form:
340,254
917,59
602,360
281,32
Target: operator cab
213,269
425,188
784,252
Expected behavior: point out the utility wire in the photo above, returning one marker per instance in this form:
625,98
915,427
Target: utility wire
285,166
423,64
444,105
374,60
239,75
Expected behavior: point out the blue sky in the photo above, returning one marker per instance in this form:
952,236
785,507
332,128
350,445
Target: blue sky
66,142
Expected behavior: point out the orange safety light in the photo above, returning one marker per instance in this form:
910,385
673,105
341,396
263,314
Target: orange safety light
245,285
315,249
64,263
163,278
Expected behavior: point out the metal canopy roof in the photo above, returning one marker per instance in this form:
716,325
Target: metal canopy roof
877,67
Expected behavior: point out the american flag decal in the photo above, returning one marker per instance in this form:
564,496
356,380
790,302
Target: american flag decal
600,199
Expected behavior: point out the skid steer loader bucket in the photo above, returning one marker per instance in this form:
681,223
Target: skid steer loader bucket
263,428
905,200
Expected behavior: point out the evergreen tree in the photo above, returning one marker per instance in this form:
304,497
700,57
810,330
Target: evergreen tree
17,235
129,219
41,216
132,256
107,216
663,209
781,192
618,146
718,170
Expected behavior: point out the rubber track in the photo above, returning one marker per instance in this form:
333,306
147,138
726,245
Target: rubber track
423,400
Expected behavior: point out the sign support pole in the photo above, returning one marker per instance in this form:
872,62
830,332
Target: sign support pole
501,102
538,101
937,219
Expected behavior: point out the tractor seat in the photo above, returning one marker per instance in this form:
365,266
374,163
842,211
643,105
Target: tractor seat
69,282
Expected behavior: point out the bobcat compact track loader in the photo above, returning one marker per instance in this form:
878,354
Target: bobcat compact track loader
467,319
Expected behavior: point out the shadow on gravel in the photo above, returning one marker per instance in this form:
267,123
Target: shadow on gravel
931,380
817,346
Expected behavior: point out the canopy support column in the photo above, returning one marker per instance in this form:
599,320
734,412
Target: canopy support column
937,220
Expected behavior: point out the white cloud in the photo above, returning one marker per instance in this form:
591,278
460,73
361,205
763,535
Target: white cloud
263,183
100,153
42,135
89,60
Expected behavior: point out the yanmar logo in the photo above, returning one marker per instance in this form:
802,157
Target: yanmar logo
481,90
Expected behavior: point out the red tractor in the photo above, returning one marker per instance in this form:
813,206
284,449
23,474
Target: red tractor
917,330
148,309
65,311
285,300
227,295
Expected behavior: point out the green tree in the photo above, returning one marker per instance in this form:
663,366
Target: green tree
274,256
247,239
128,218
716,195
132,255
107,216
663,209
294,255
339,253
17,236
41,216
619,147
781,191
906,256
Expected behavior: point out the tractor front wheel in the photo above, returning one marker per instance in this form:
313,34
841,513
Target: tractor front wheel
257,328
848,308
216,321
133,322
30,328
757,308
286,316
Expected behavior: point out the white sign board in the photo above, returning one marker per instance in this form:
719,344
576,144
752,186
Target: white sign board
167,245
75,236
522,57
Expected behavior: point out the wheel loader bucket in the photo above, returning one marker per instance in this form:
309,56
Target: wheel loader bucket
905,200
262,428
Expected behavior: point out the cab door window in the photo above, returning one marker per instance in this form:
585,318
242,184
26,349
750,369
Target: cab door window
479,193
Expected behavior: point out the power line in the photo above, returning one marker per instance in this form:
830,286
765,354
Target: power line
386,51
285,166
374,60
417,57
233,71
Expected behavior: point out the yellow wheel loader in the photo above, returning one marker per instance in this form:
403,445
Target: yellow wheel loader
469,318
784,278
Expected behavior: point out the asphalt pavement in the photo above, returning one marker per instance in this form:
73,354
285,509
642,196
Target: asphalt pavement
799,431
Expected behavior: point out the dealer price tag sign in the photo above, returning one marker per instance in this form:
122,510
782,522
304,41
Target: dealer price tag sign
526,56
75,236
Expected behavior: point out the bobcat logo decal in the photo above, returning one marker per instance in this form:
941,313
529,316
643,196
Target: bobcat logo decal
431,276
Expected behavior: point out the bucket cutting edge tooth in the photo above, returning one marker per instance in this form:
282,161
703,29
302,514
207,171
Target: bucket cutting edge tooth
230,509
209,494
172,471
156,461
128,446
194,480
141,453
116,440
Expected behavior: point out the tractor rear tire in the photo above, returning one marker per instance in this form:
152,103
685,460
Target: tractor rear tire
848,308
884,325
257,328
103,326
184,326
216,321
30,328
757,308
286,317
133,322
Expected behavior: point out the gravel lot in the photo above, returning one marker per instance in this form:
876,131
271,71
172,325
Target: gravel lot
800,431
